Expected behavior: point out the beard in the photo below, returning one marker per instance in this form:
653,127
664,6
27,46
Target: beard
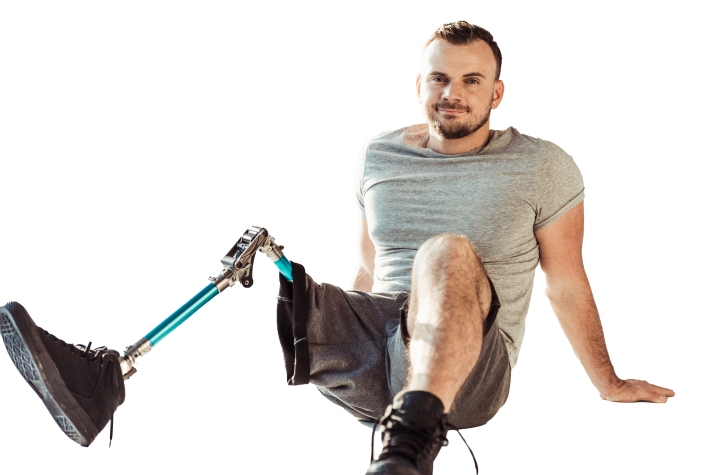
452,129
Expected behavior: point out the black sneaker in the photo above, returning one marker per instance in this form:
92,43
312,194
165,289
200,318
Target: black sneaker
413,430
81,387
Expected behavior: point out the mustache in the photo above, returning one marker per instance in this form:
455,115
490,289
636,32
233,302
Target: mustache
450,108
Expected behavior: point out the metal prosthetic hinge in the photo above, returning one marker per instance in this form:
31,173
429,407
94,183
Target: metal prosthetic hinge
237,267
239,260
133,352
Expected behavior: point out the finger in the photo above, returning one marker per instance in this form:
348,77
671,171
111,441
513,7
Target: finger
667,392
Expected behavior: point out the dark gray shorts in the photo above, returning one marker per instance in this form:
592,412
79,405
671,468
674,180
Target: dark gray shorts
355,344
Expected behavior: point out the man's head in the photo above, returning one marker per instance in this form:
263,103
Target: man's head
459,84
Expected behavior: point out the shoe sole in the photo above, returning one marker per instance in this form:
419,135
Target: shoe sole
28,353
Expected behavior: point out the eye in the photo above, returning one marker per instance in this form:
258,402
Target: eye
437,79
473,81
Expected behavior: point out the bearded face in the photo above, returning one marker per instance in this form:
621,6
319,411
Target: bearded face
456,126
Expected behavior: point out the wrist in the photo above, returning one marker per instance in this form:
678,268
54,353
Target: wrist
608,386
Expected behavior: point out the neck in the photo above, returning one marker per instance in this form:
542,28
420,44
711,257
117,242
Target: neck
445,146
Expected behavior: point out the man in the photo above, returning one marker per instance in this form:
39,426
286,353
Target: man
454,219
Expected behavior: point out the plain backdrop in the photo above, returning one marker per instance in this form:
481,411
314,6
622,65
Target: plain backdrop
134,163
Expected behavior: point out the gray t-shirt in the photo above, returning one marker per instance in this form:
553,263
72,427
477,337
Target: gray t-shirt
495,195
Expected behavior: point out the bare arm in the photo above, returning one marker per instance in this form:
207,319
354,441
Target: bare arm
361,279
365,257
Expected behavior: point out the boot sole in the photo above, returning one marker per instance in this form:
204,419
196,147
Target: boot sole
28,353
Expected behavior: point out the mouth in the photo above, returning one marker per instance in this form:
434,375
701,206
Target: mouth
450,111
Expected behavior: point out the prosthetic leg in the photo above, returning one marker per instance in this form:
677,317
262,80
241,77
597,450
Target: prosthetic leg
82,387
237,265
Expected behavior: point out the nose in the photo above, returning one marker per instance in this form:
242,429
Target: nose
451,92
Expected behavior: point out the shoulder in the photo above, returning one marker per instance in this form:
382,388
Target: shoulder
410,135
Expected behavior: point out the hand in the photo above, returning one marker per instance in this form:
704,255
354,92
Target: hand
634,390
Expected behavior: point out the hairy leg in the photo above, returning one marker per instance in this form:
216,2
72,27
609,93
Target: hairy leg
450,300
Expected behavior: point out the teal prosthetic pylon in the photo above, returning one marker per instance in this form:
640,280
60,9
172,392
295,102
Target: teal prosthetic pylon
237,267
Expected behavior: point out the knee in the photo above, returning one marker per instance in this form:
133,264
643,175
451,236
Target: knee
447,241
447,258
451,259
447,250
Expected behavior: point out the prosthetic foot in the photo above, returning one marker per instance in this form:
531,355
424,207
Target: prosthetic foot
81,387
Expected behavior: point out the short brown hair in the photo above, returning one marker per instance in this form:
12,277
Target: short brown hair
463,33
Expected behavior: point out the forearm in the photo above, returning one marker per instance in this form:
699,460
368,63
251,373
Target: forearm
574,306
362,280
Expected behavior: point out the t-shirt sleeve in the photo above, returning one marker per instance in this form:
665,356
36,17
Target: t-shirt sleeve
559,185
358,180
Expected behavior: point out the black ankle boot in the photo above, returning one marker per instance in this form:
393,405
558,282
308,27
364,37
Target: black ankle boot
413,430
81,387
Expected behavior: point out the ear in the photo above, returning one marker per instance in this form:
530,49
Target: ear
417,86
498,96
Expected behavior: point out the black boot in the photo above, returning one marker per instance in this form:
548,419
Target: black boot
413,430
81,387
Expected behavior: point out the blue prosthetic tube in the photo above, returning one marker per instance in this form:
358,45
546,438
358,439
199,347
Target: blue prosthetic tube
285,267
187,310
182,314
197,302
254,239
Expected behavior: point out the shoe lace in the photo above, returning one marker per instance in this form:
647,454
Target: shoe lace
88,351
94,354
408,442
